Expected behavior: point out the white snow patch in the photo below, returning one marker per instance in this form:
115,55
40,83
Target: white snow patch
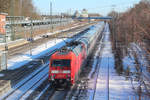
2,75
30,66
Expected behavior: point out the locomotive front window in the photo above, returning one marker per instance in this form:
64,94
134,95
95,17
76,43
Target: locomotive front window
63,63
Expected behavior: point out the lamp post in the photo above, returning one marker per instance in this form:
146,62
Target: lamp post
46,37
6,51
113,21
21,7
30,39
51,14
12,20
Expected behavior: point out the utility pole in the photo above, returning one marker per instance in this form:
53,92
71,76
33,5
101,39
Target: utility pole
108,79
6,51
51,14
113,22
21,7
133,29
12,20
31,37
70,15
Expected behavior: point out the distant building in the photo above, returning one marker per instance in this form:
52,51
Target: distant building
76,14
9,18
2,23
84,13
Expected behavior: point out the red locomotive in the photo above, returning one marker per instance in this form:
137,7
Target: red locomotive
65,64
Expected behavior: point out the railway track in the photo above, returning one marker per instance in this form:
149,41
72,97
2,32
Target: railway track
98,69
90,73
50,93
59,95
28,80
43,92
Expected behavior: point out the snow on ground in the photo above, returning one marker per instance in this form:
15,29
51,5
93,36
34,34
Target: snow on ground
142,57
129,62
1,75
136,78
111,85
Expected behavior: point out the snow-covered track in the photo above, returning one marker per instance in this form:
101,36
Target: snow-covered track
27,83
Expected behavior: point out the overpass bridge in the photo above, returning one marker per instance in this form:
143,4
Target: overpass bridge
103,18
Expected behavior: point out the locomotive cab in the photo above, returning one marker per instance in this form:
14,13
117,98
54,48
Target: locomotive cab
60,68
65,64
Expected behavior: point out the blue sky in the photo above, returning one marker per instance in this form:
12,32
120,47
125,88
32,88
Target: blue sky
96,6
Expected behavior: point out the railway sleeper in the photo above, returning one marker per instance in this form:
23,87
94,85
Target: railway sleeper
5,85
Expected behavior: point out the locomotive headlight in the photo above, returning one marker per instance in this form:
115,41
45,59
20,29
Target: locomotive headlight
52,78
54,71
66,71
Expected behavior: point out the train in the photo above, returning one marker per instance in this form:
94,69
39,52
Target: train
66,63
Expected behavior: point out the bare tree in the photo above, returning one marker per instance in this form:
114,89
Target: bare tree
18,8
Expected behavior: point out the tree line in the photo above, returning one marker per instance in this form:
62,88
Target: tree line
18,8
132,26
